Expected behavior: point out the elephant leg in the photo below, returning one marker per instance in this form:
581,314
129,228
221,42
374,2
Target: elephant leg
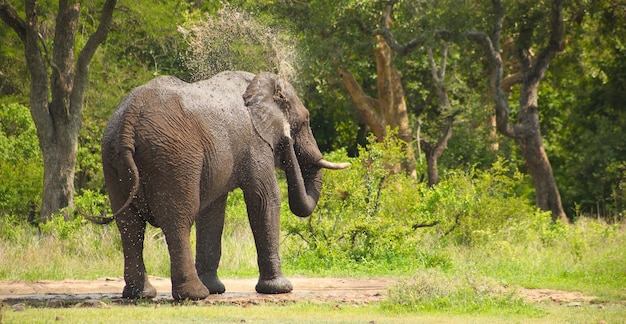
185,281
209,227
264,216
132,231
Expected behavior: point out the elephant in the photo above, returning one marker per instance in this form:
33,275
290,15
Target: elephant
171,153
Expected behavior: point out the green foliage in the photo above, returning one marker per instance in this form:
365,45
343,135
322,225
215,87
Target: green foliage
367,214
21,168
60,228
588,145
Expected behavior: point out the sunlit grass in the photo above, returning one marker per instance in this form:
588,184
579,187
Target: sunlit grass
589,257
303,313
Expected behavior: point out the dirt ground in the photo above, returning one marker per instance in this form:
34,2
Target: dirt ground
89,293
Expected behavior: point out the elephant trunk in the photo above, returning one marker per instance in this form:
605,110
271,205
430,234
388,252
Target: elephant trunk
304,190
303,163
304,181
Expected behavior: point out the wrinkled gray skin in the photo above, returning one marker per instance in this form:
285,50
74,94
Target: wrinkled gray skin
173,150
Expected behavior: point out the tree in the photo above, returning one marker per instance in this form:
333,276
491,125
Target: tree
389,110
57,86
532,69
445,117
435,150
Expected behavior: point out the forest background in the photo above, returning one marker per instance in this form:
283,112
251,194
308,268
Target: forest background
580,99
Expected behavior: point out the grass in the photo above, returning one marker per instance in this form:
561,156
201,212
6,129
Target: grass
450,283
304,313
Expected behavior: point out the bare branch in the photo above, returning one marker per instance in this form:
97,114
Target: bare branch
444,58
509,81
47,54
422,225
497,24
495,80
433,67
438,76
100,35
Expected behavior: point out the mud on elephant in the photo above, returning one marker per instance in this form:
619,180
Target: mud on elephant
173,151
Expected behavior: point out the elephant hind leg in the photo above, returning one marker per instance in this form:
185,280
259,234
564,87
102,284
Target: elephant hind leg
176,219
132,229
185,281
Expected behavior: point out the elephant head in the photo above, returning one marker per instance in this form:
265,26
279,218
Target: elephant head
282,121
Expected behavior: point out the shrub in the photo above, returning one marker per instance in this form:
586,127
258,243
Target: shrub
368,214
21,167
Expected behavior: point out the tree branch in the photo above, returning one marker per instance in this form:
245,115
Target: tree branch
11,18
495,76
384,84
38,73
511,80
368,106
422,225
86,54
497,24
385,32
438,75
557,32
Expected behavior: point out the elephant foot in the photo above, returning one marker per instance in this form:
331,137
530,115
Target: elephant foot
278,285
213,283
193,290
145,291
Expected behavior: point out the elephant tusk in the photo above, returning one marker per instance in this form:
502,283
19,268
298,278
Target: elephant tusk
332,166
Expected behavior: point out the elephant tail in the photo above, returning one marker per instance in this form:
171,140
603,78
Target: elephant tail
127,142
103,219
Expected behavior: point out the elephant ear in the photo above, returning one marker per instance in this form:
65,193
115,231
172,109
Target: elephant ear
267,106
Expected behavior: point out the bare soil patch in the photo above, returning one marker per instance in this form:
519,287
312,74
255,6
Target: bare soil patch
362,291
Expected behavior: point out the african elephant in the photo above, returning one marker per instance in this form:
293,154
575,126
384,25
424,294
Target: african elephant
173,151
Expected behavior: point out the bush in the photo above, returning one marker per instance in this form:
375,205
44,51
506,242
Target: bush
21,167
367,214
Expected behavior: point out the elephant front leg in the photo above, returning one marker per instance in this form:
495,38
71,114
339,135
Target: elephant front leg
137,284
209,227
264,216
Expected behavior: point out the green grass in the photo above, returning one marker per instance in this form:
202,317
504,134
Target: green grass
450,281
304,313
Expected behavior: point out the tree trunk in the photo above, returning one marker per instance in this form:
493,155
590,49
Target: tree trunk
434,152
390,109
527,129
59,162
546,191
57,119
